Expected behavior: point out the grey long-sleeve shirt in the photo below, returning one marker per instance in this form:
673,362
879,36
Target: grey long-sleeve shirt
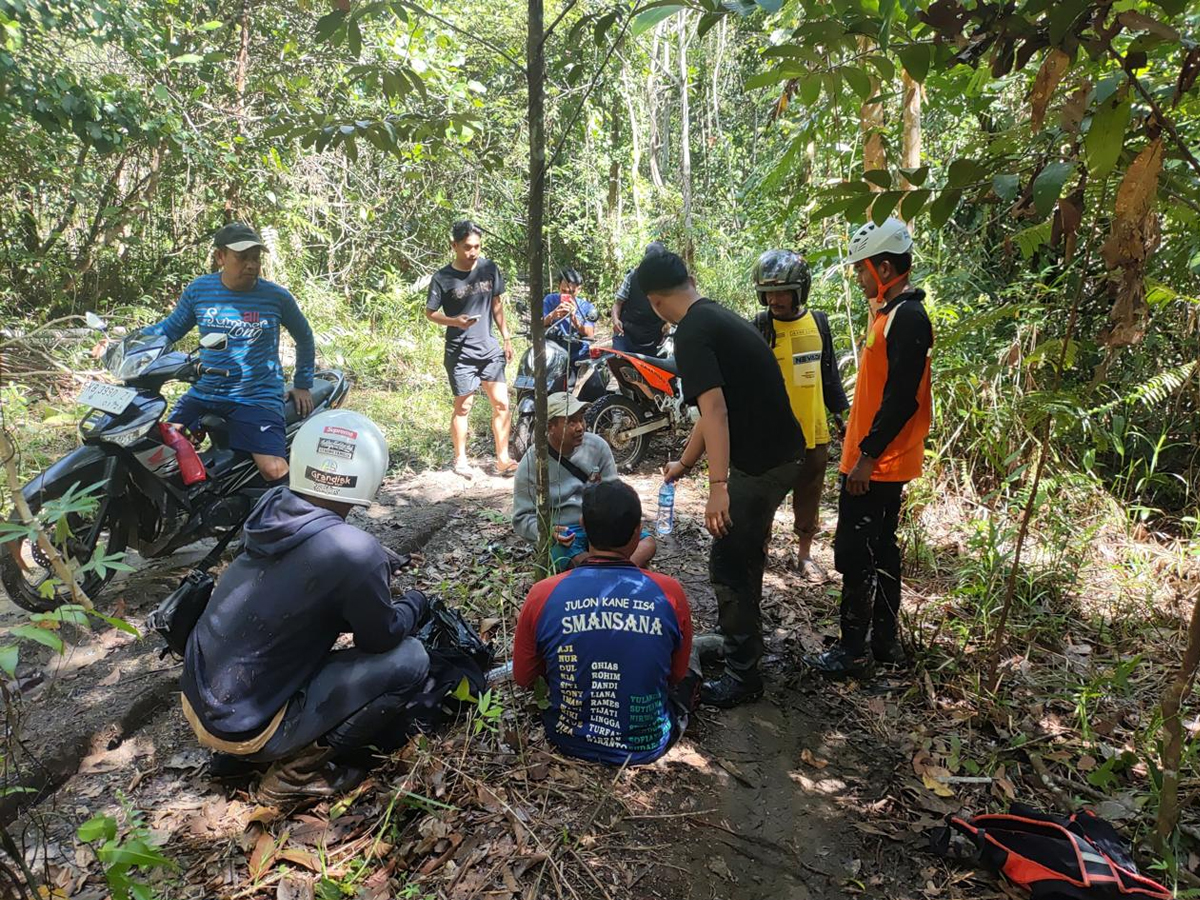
566,491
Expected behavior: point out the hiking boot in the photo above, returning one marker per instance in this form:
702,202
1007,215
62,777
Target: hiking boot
839,664
308,775
710,647
890,654
727,692
228,766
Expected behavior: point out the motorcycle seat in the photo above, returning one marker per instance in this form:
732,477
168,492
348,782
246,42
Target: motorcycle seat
322,390
666,364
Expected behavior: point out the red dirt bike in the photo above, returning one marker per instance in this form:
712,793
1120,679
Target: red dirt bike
647,399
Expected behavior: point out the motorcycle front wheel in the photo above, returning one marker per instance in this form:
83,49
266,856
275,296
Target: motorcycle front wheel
610,417
25,569
518,442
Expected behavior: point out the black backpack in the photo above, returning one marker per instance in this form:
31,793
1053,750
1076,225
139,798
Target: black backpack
456,652
177,615
1081,857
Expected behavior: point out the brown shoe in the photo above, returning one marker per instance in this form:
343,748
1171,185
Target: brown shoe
308,775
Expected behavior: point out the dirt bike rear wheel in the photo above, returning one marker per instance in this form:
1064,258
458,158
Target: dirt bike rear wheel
609,417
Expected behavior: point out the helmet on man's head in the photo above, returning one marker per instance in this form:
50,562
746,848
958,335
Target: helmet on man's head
338,455
871,240
782,270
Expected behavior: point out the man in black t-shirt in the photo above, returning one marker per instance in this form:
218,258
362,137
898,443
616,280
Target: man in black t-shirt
754,447
465,297
636,327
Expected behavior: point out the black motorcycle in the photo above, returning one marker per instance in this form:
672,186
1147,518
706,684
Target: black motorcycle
583,379
143,501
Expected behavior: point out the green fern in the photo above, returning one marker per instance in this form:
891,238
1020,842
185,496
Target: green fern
1155,390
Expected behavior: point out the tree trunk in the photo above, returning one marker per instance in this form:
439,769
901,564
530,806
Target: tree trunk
612,202
871,122
910,147
635,158
685,140
239,114
536,79
652,110
910,142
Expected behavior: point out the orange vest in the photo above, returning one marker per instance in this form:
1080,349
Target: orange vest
904,456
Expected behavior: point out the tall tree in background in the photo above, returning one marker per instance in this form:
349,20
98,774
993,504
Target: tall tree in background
535,48
685,139
241,63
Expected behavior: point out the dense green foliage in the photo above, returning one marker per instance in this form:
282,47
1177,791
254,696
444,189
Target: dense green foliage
131,130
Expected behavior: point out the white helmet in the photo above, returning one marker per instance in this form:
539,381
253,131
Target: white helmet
339,455
890,237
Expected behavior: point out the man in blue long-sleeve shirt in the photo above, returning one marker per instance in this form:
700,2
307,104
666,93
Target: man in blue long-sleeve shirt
249,310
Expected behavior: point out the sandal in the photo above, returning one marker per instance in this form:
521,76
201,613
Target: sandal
505,471
464,470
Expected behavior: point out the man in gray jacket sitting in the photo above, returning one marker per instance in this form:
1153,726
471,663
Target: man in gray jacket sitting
577,458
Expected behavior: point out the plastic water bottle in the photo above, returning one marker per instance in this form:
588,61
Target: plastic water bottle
666,508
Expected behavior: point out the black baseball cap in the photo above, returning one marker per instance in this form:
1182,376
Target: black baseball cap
237,236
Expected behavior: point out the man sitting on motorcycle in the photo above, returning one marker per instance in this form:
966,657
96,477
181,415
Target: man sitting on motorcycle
569,318
250,310
261,680
577,458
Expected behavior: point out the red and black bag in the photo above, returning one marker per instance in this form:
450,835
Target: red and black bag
1077,858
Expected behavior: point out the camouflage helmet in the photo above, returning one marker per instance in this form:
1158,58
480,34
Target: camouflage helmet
782,270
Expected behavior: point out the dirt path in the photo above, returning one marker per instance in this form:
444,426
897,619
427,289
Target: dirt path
778,799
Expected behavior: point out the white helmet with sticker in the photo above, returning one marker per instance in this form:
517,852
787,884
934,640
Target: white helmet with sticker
871,239
338,455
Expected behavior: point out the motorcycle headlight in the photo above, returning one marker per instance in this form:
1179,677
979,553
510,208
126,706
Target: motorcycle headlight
129,367
130,436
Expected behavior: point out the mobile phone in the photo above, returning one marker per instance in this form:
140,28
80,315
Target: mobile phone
473,319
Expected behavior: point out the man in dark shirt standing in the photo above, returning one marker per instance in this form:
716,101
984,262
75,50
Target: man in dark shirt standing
465,297
636,327
754,447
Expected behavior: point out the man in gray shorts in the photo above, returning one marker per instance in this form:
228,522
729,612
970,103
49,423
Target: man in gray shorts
465,297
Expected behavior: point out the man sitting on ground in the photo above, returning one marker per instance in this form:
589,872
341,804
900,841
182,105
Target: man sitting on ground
613,642
261,680
577,458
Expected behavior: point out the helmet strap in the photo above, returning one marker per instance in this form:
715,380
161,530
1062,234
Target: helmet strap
882,287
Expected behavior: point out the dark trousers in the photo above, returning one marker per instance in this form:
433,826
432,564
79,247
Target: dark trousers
354,700
735,564
867,554
627,344
806,495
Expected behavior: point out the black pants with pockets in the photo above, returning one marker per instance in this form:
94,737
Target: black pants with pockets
866,552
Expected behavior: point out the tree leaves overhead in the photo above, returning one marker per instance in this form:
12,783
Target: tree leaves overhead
1106,136
1049,75
1048,186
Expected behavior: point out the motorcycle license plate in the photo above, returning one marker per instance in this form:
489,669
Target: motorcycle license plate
112,398
523,383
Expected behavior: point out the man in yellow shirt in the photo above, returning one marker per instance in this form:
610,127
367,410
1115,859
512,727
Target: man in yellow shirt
803,347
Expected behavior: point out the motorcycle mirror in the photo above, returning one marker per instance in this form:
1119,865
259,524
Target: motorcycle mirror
214,340
94,321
